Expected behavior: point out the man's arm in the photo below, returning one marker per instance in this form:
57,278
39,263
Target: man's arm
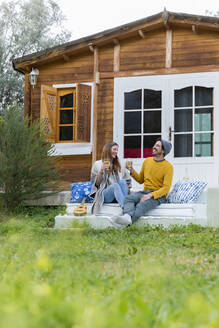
139,177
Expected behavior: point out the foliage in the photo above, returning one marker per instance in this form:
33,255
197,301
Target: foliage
134,277
26,170
26,26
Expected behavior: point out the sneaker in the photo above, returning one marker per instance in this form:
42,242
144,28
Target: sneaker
116,225
122,219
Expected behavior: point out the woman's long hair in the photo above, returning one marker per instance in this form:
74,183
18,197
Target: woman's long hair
106,154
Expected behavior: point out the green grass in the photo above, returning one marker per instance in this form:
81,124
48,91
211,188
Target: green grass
134,277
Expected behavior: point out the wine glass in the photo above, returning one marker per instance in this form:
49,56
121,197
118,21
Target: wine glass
129,163
107,165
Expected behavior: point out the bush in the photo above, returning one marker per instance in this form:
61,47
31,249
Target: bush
26,170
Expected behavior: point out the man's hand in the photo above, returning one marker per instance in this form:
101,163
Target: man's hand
129,167
146,197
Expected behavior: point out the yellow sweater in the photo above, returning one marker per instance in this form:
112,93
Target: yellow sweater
155,175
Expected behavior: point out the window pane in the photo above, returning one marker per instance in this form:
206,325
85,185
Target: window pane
149,141
66,116
183,145
132,147
133,99
203,119
203,96
152,99
66,133
66,101
183,120
152,121
204,144
183,97
132,122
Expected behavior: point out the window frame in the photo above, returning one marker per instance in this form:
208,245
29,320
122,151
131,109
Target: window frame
75,148
142,111
193,132
60,93
167,83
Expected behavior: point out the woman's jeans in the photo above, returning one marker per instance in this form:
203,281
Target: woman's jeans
117,191
135,209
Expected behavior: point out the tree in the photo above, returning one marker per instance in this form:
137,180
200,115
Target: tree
26,170
26,26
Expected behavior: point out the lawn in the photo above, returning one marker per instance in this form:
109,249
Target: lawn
133,277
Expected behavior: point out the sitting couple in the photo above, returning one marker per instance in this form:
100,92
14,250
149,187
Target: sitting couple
112,183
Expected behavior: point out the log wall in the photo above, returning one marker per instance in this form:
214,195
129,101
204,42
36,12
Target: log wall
142,54
194,48
139,53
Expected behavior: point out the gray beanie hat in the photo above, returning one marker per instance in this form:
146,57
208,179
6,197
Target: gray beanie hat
167,146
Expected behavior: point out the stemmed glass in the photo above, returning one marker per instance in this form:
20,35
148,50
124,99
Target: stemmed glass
107,164
129,163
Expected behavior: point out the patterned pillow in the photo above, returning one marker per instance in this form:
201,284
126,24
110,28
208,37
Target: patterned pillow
186,191
79,190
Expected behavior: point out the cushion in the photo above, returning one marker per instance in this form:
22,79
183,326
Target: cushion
79,190
186,191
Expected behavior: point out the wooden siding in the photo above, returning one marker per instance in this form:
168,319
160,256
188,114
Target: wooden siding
143,53
106,58
105,114
75,69
194,48
74,169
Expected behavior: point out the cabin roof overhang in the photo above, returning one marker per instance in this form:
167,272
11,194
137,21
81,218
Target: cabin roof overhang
164,19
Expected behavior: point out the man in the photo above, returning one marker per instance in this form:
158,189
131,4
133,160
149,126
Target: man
156,174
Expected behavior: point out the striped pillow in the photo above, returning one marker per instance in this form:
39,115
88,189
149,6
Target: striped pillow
186,191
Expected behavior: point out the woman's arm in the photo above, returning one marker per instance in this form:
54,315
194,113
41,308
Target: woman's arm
97,172
99,177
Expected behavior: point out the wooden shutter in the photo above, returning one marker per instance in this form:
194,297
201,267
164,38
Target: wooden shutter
48,110
83,112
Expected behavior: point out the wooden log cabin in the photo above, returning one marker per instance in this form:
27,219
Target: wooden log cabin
158,76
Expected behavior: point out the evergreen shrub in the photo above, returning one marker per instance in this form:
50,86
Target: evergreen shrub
26,170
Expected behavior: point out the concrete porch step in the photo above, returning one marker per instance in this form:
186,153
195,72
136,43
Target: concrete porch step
193,210
165,215
102,222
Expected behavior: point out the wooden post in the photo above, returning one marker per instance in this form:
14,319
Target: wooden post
116,57
27,97
168,48
95,95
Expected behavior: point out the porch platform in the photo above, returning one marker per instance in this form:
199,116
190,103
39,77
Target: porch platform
165,215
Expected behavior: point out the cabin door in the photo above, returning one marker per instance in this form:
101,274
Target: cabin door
139,117
194,105
180,108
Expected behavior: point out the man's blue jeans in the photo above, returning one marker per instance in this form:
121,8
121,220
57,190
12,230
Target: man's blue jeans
135,209
117,191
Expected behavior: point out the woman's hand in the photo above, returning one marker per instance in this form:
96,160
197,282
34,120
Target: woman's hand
104,166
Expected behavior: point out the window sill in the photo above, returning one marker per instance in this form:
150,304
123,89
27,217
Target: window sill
193,160
72,148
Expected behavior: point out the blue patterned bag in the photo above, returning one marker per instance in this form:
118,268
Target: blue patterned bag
80,190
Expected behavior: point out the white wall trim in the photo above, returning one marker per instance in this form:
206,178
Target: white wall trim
72,148
70,85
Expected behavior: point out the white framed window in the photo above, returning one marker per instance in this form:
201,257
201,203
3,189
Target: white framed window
66,110
142,121
179,107
194,121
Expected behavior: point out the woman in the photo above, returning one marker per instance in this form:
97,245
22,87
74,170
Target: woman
110,181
